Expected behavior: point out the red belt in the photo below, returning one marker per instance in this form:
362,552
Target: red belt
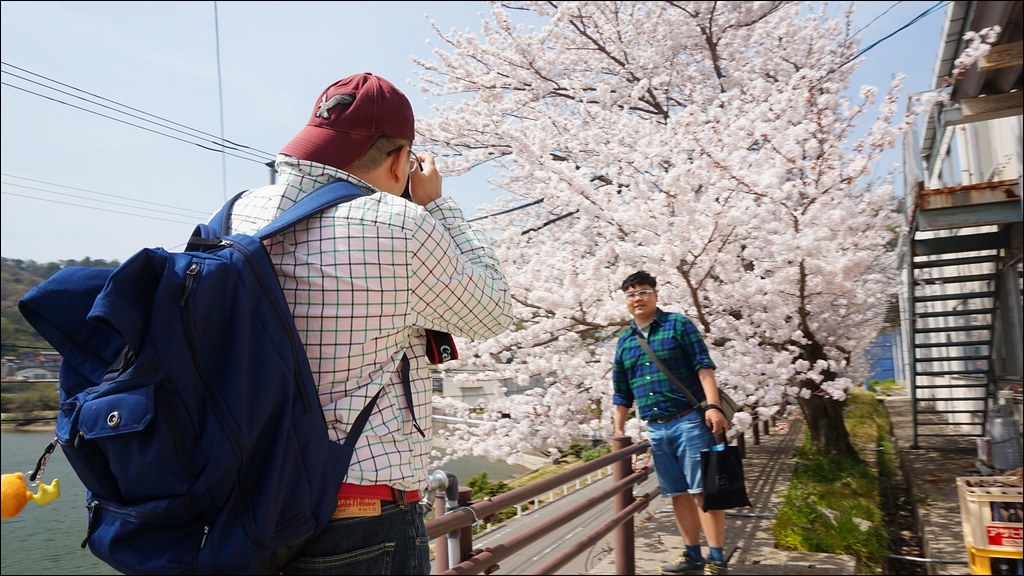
380,492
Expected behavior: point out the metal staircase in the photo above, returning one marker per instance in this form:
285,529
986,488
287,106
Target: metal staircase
964,246
954,304
961,323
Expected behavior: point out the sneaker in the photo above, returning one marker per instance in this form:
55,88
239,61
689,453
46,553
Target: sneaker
683,565
715,567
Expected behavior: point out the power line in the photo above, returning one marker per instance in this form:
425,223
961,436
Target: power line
129,123
197,212
891,34
858,55
549,222
513,209
93,208
264,161
863,28
917,18
258,156
196,130
92,199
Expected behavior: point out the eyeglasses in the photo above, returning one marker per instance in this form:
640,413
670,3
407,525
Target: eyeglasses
414,161
639,294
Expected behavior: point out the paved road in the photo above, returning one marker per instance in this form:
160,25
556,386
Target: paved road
541,551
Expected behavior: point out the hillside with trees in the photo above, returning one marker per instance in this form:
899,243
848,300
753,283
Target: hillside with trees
18,277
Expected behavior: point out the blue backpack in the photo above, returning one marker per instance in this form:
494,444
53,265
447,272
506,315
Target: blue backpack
188,409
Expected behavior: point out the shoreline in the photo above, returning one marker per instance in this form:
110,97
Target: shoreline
46,421
27,428
39,421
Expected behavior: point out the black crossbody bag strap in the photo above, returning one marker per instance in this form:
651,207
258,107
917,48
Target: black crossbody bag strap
664,370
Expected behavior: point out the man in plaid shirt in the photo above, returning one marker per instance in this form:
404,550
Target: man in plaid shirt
365,282
677,432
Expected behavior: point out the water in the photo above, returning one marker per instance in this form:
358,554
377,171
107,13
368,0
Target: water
46,539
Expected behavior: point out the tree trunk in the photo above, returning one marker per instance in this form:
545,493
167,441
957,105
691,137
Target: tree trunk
824,417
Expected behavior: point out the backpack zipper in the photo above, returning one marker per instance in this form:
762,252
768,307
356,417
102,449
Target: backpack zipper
188,320
190,279
94,503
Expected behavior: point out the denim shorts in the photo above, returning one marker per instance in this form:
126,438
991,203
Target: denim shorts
676,446
393,543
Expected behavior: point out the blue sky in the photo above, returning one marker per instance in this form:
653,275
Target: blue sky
76,184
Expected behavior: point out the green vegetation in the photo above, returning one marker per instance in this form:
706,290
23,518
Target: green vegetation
833,504
483,488
585,452
595,453
20,397
20,276
571,456
885,387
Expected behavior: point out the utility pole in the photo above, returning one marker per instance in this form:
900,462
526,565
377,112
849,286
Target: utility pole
273,171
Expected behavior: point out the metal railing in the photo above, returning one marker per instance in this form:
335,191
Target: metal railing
455,515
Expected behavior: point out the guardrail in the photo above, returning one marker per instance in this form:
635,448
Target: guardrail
455,516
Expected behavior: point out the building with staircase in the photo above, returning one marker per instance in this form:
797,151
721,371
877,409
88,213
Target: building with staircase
960,327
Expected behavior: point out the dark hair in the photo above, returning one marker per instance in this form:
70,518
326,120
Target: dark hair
639,278
376,155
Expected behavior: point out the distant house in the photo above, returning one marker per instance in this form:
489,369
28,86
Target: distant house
473,391
48,361
8,367
34,374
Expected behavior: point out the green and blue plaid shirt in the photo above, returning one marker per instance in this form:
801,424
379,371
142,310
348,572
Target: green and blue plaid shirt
679,346
363,280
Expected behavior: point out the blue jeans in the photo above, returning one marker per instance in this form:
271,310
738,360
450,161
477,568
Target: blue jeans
393,543
676,446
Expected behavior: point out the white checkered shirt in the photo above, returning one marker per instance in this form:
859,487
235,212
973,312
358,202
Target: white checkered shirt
363,280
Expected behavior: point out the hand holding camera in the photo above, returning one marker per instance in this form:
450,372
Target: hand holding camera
424,184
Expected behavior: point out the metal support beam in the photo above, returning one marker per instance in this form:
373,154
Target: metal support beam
956,244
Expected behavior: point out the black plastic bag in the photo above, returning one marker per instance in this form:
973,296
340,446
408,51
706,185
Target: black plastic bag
724,486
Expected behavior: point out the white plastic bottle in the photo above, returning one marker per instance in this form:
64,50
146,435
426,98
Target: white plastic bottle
1005,435
720,443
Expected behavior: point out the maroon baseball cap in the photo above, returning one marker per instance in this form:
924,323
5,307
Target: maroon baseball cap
347,119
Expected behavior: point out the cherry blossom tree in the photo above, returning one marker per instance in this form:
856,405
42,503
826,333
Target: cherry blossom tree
708,143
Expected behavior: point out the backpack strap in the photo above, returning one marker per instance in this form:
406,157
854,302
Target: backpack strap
348,448
407,389
219,221
313,203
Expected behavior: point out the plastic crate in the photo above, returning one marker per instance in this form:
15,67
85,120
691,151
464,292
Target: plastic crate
992,509
994,562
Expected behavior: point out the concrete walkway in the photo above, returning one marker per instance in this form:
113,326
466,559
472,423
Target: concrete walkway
750,544
930,471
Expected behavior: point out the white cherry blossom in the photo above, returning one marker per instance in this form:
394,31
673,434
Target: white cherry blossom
711,144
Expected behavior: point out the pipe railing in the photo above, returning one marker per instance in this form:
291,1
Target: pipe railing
460,520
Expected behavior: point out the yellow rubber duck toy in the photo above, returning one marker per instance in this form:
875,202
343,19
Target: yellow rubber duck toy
16,494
